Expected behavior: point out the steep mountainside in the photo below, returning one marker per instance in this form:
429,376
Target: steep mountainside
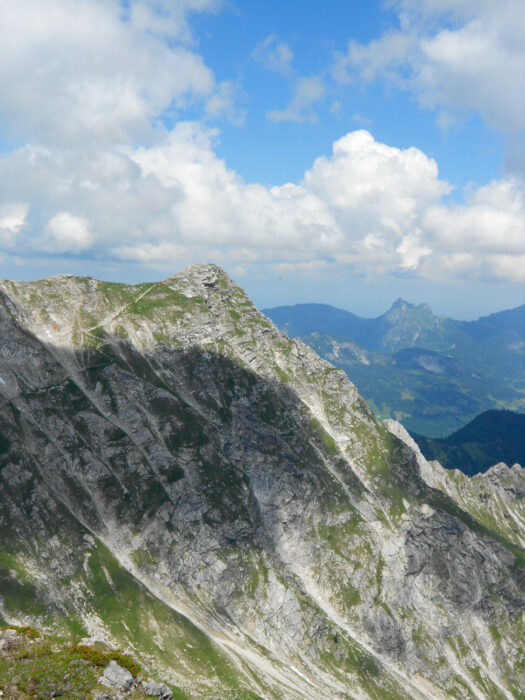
181,479
495,498
493,436
430,372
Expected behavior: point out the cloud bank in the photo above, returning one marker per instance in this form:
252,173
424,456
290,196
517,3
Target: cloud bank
102,174
373,207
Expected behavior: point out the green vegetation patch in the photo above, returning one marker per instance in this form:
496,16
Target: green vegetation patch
321,434
99,657
341,536
27,630
43,666
161,298
18,592
159,635
118,293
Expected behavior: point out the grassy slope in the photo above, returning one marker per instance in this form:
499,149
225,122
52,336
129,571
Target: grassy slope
42,665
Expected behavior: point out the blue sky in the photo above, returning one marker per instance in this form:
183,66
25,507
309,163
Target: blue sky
314,32
342,152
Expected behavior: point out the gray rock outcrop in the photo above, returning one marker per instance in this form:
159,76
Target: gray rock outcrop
116,676
156,690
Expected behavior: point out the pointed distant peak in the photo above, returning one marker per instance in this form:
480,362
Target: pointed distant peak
403,305
400,304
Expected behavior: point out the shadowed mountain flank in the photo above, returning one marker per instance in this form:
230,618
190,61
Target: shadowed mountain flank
181,478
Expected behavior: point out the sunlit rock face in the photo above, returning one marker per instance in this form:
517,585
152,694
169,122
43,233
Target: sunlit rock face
180,478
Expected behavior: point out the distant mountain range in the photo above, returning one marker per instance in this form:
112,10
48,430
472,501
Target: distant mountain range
492,437
431,372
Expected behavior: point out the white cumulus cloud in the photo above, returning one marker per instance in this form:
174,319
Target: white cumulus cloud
508,267
368,206
12,219
492,220
274,54
66,232
458,56
307,91
77,69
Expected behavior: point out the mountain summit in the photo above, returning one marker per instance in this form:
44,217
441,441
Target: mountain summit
180,478
400,305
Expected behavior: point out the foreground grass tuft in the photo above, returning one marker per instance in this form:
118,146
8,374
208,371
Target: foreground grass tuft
37,665
98,657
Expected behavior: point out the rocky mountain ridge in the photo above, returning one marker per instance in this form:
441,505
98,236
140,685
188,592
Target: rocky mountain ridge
494,497
179,477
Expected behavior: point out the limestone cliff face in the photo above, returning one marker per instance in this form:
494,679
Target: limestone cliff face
178,476
495,498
